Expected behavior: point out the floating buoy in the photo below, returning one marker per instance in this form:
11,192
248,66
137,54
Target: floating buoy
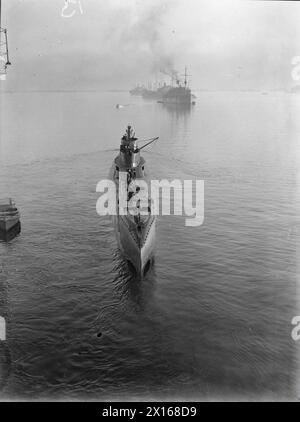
122,105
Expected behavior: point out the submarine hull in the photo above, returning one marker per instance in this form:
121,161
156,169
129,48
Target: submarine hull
137,248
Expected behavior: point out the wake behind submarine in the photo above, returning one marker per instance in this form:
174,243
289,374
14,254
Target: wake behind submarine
134,225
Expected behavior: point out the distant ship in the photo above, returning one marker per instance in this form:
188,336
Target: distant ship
135,233
157,94
138,90
168,94
180,94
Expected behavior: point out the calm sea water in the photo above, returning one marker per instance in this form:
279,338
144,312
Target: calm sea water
212,319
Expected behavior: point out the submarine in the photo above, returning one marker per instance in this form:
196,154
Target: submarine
134,224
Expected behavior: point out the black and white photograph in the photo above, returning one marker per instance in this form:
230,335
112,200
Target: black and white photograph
149,203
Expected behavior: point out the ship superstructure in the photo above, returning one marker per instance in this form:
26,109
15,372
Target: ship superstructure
176,92
179,94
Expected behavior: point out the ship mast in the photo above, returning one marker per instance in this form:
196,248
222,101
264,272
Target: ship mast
4,57
185,77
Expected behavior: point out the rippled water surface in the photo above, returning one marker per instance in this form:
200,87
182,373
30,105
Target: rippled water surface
212,319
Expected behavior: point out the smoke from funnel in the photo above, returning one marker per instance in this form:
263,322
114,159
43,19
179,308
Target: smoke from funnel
143,33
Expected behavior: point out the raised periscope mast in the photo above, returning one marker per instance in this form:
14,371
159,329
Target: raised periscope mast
135,225
4,55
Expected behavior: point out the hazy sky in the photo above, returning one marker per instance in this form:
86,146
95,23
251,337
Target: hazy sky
117,43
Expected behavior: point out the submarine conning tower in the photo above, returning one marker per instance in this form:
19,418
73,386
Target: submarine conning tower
129,151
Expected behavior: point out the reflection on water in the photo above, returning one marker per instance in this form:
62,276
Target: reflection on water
5,355
5,364
178,109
